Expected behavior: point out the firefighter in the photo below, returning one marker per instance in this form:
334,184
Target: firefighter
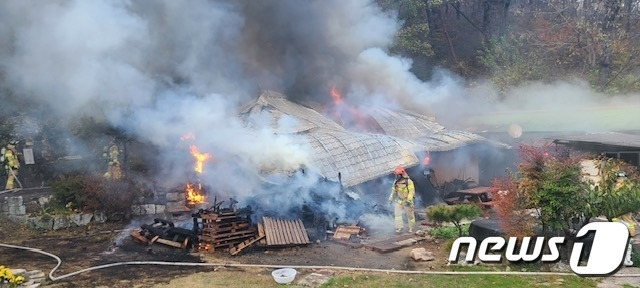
11,163
401,196
626,219
114,172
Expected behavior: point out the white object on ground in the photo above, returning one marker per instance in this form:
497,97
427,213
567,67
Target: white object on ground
284,275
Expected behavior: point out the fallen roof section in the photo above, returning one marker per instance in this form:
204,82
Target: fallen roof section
447,140
404,124
358,157
274,111
606,138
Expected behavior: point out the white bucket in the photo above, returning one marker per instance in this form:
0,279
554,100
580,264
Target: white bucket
284,275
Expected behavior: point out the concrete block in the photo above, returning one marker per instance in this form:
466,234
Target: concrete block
137,210
17,210
173,206
160,209
150,209
20,219
14,201
176,197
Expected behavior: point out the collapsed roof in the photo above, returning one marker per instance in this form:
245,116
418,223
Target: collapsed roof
358,157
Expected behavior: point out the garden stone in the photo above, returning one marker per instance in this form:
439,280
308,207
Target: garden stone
43,223
17,210
20,219
175,196
99,217
14,201
421,254
43,201
160,209
149,209
82,219
18,272
61,222
137,210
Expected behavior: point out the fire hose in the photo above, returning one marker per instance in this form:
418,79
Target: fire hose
353,269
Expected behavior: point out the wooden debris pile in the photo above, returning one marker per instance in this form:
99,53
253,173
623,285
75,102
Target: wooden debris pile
224,228
349,235
164,232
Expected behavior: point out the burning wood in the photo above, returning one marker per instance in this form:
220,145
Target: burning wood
164,232
222,228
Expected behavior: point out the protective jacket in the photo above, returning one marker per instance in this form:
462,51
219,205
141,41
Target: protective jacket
402,191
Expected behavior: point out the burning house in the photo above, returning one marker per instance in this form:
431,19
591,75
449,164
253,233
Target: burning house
361,161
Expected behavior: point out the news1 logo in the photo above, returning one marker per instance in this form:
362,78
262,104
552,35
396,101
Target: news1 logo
605,257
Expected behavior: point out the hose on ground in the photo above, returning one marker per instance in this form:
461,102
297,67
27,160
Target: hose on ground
353,269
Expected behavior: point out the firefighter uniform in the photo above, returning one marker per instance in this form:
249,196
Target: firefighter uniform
11,164
402,194
114,171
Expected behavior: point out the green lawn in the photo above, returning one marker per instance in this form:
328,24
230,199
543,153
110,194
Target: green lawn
467,281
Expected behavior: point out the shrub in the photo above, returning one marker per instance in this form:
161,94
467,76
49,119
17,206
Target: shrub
95,193
6,277
453,213
449,232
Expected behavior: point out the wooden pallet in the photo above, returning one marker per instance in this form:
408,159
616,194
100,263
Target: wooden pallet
280,232
235,250
394,243
344,232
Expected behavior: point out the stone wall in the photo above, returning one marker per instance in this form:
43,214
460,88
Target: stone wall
16,210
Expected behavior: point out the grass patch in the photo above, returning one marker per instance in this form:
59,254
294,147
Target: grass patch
448,232
467,281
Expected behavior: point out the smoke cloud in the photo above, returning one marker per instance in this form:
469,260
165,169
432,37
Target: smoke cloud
161,69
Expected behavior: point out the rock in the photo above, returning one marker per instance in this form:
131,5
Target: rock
149,209
176,206
99,217
138,210
314,280
14,201
42,223
160,209
18,272
421,254
34,274
21,219
33,286
4,208
33,207
175,197
43,201
508,269
17,210
61,222
81,219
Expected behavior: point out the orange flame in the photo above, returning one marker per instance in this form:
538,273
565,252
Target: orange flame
200,158
193,194
336,96
426,160
343,109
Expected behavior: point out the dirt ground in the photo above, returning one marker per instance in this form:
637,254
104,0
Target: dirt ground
89,246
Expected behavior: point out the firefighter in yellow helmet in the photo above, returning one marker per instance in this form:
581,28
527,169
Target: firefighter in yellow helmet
114,171
402,194
626,219
11,163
